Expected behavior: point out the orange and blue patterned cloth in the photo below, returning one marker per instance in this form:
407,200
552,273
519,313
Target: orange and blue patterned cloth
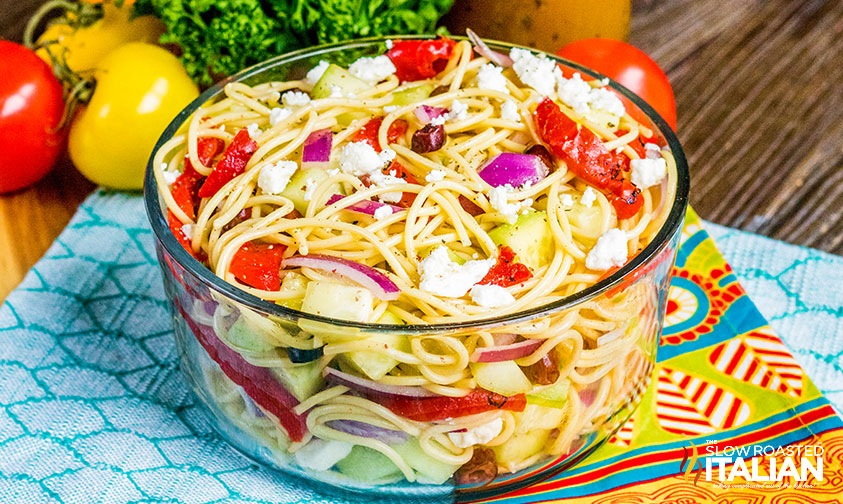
93,408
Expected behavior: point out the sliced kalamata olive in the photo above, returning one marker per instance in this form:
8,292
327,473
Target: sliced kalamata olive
302,355
545,371
294,214
471,207
542,153
481,469
428,139
244,214
438,90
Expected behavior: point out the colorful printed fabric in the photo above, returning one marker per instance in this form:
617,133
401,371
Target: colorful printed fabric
93,408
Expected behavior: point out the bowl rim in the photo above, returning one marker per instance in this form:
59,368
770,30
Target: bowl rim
168,241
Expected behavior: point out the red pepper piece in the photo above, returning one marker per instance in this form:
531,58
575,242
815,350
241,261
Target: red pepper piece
420,59
233,162
258,382
176,228
369,132
207,149
587,157
397,169
506,271
429,409
258,265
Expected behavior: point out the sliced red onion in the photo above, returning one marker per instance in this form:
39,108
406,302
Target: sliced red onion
363,429
430,138
372,387
427,113
316,152
588,394
210,307
367,207
513,169
484,50
251,407
505,352
381,286
541,152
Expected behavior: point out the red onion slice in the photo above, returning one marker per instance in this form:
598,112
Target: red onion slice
513,169
381,286
367,207
359,384
363,429
484,50
427,113
505,352
316,152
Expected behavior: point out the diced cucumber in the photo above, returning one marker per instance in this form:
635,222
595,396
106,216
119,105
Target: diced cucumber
243,335
537,417
293,285
586,219
520,447
430,469
341,78
373,364
504,377
554,396
301,380
339,301
411,95
366,464
529,237
321,455
297,187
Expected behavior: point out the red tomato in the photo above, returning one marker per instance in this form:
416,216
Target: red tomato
31,107
629,66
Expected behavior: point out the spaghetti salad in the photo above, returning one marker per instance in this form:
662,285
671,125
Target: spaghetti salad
424,186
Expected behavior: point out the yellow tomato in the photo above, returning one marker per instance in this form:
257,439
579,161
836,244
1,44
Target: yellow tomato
86,47
140,89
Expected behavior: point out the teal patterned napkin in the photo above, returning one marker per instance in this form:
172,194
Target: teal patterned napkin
93,409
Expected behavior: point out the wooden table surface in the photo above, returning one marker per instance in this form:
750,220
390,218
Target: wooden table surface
759,92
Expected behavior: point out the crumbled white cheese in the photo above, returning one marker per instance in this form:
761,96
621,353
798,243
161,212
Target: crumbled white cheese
309,188
389,43
610,250
498,199
273,178
566,200
336,91
316,72
652,151
378,179
600,99
443,277
458,112
439,120
509,111
187,229
321,455
491,296
604,81
383,212
278,114
435,175
391,108
647,172
170,176
588,101
254,130
295,98
589,196
491,77
372,70
538,72
477,435
360,158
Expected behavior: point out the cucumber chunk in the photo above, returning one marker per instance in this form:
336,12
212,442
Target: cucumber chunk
430,469
554,396
529,237
520,447
504,377
374,364
339,301
410,95
366,464
341,78
297,187
247,337
301,380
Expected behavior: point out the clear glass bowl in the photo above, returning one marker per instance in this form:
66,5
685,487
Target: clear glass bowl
601,397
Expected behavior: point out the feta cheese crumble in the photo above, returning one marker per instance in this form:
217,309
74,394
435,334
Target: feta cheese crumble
278,114
382,212
336,91
587,101
491,296
652,151
439,120
481,434
567,200
372,70
170,176
443,277
458,112
321,455
360,158
254,130
273,179
498,199
435,175
309,188
509,111
295,98
647,172
610,250
538,72
390,108
316,72
589,196
187,229
491,77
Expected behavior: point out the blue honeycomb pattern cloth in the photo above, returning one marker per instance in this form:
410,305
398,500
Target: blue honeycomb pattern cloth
93,408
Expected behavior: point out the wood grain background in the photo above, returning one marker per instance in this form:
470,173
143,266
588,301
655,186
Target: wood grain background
759,91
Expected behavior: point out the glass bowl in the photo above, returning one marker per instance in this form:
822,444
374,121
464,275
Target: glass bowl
246,402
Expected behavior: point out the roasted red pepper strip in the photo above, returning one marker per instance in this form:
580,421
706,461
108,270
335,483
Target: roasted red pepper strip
369,132
506,271
207,149
258,382
396,169
420,59
429,409
587,157
258,265
233,162
176,228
